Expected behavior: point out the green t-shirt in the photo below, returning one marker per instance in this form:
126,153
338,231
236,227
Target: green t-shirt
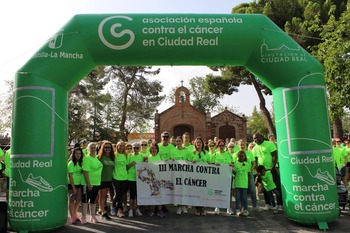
165,151
189,147
242,170
77,172
222,158
263,153
211,156
108,168
1,157
177,154
120,172
267,181
7,163
155,158
199,157
339,156
93,166
132,170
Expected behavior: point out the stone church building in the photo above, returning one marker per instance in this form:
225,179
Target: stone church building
183,117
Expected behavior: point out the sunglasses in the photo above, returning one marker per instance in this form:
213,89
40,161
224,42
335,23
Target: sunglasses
143,144
165,136
211,145
136,148
107,147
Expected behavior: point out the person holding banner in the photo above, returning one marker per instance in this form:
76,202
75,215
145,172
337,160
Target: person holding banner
199,155
222,157
180,153
92,169
241,170
154,157
132,159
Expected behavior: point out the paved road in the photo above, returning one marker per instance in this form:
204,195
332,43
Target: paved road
258,221
263,221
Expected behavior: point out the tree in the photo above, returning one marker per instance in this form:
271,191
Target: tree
256,124
232,77
6,109
136,97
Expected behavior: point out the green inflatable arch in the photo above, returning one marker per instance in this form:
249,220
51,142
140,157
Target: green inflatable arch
38,193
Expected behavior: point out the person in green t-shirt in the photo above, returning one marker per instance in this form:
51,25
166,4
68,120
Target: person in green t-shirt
212,150
132,159
241,170
107,157
92,169
186,138
154,157
165,147
120,180
223,157
199,155
75,176
265,177
180,153
265,153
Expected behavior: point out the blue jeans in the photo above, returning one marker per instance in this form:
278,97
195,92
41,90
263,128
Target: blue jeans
272,199
252,190
241,198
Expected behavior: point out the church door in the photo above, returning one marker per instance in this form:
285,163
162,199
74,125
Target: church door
181,129
227,131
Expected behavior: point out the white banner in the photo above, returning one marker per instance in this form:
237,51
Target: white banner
183,183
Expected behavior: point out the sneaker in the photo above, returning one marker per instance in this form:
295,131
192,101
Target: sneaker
161,213
229,211
131,214
93,219
184,209
245,213
151,213
275,209
83,220
120,214
202,212
217,211
198,212
238,212
138,212
125,209
267,207
113,212
179,210
233,199
280,208
105,216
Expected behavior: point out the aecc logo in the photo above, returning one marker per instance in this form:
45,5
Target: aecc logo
115,34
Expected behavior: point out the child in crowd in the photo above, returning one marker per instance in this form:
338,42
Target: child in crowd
241,170
265,177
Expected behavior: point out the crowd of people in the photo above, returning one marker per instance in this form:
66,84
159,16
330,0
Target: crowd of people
103,170
99,171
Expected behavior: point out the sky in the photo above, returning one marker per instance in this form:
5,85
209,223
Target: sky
27,25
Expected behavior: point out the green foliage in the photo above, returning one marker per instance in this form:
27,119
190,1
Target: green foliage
256,124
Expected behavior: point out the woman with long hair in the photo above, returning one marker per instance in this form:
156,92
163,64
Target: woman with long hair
199,155
92,169
75,176
120,180
107,157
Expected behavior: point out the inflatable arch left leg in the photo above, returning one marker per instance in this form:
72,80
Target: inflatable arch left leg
39,133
